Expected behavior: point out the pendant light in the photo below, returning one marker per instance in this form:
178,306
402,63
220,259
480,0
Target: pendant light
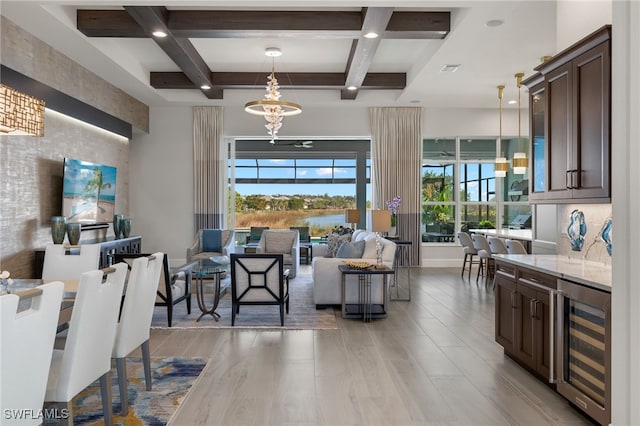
501,164
520,161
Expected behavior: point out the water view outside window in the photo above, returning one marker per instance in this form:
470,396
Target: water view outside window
283,192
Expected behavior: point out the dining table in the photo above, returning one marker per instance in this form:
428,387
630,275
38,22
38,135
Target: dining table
21,285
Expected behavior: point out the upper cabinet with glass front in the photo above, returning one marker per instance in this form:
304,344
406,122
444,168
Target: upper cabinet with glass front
570,115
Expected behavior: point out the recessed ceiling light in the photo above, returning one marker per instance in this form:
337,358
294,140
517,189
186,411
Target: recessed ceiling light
512,102
159,33
493,23
450,68
414,101
352,88
371,34
272,52
205,87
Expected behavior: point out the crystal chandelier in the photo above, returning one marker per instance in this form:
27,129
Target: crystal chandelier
271,107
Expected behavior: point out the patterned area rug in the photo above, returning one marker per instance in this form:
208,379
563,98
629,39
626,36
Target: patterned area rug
302,311
172,379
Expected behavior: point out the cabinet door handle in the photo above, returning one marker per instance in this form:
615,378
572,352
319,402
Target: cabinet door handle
513,300
532,308
567,179
574,178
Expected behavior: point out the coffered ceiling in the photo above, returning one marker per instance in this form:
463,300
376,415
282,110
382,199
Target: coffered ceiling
221,44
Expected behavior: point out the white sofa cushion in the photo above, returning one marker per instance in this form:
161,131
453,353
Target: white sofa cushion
327,277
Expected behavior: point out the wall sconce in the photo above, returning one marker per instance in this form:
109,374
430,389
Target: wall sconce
352,216
20,114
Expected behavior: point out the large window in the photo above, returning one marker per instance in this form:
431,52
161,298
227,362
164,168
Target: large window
287,185
461,191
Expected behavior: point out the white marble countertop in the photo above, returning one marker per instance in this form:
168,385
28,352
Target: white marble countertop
514,234
592,274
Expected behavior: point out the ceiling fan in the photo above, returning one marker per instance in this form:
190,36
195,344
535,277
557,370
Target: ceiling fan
297,144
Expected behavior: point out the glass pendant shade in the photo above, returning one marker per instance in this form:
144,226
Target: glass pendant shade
500,167
520,163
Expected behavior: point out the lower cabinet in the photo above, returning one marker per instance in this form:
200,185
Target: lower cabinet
525,317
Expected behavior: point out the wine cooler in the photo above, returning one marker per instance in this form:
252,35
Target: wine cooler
584,349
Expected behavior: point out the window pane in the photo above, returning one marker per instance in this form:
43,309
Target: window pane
477,182
275,163
437,182
477,216
439,149
438,223
517,217
477,149
315,162
515,188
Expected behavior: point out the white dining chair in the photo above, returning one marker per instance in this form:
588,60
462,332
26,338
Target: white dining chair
86,356
515,247
63,262
497,245
27,338
133,329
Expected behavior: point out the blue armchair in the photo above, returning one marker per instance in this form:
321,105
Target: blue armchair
211,242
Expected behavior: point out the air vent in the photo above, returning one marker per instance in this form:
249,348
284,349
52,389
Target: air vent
450,68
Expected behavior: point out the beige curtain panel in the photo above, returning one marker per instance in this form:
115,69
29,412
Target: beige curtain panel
396,163
209,168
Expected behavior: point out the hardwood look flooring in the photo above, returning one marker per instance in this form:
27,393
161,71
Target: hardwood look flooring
432,361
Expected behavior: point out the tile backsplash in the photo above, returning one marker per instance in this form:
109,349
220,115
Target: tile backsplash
594,248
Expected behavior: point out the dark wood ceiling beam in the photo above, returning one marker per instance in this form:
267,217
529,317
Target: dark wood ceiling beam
108,23
180,50
249,24
253,80
418,25
238,24
363,49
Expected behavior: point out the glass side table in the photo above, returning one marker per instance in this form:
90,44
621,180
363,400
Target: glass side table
209,269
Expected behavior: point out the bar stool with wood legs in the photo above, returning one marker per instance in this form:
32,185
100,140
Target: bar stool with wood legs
469,252
486,259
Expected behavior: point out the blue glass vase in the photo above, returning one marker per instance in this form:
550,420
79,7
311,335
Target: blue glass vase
58,229
117,225
125,227
73,233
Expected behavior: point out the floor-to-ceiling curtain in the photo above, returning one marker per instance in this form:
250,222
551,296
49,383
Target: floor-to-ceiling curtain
209,168
396,160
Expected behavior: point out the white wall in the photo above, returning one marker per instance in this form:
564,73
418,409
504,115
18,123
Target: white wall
577,19
161,183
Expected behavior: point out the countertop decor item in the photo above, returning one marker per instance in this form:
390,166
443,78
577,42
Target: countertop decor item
576,230
606,234
58,229
73,233
117,225
125,227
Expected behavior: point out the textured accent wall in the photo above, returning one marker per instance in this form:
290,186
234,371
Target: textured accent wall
31,184
31,168
31,56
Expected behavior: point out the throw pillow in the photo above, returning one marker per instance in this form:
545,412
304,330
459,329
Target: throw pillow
348,250
369,248
333,243
212,240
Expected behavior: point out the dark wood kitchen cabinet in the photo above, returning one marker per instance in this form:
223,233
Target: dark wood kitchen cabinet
525,317
570,123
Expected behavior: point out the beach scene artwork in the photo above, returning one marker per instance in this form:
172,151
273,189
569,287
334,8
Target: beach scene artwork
89,192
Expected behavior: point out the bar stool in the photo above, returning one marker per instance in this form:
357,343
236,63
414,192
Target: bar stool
469,252
515,247
481,244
